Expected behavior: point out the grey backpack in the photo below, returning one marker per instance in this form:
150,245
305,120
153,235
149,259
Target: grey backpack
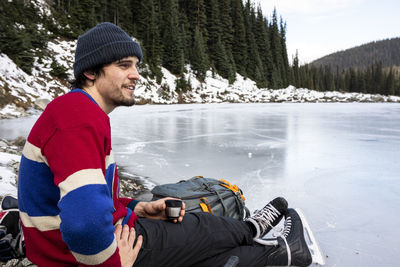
200,194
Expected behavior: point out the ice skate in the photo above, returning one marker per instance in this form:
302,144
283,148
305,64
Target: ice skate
296,244
268,217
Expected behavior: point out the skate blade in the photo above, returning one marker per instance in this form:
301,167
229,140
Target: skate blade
311,241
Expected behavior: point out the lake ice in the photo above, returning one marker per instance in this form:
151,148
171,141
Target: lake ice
338,162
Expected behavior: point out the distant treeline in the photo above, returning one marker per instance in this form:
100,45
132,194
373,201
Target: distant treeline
369,68
372,79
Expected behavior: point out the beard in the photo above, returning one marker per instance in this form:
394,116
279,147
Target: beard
119,99
123,101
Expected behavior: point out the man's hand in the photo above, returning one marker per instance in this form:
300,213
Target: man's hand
125,241
156,210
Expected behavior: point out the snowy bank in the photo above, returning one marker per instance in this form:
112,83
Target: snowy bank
10,156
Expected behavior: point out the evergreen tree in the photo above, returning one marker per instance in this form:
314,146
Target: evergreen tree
285,70
19,35
172,55
216,47
125,16
264,50
296,72
390,83
276,47
199,57
186,35
329,84
227,36
149,33
239,48
254,65
196,13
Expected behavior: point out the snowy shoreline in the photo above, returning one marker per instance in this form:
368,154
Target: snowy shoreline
27,94
202,96
10,156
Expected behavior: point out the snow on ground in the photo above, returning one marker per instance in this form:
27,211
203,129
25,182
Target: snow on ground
7,174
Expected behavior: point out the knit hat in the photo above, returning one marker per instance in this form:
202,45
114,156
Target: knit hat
103,44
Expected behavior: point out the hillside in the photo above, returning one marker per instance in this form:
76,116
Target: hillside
386,52
228,36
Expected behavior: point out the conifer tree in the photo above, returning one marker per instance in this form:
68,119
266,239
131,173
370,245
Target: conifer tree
172,56
148,33
378,77
368,80
285,70
186,35
199,57
254,67
276,47
329,84
227,35
263,43
390,83
124,15
19,36
239,48
216,47
296,72
196,13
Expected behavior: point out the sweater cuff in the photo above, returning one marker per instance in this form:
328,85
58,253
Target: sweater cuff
133,204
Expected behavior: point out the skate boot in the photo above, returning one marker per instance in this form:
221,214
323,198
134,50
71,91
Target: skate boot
292,248
265,219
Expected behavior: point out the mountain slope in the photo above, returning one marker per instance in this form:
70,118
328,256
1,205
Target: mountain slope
386,52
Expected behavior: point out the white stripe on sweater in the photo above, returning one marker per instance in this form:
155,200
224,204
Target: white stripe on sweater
81,178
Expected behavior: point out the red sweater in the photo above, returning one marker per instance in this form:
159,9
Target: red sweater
68,189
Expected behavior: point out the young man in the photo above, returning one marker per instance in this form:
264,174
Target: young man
68,190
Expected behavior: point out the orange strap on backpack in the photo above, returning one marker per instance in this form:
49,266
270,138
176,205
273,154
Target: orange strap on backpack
234,188
205,206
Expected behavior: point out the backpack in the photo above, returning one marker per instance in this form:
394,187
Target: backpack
12,243
200,194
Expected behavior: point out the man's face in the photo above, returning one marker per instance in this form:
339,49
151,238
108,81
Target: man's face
116,85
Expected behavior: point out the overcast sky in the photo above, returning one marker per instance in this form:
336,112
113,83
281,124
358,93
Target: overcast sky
320,27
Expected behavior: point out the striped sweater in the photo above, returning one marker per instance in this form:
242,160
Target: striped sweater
68,187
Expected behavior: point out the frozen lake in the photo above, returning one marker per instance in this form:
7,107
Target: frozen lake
338,162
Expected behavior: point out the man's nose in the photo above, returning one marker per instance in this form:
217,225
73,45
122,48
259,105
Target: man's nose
133,74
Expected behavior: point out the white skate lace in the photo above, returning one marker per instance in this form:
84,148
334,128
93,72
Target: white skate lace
266,216
286,230
283,233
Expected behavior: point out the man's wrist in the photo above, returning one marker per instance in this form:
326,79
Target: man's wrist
132,205
139,208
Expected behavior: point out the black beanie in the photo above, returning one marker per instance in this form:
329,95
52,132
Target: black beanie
103,44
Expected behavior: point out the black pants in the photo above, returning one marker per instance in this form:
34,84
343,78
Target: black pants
200,240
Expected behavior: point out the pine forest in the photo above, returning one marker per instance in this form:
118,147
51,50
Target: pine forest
226,36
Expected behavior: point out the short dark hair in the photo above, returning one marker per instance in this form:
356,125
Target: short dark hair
81,80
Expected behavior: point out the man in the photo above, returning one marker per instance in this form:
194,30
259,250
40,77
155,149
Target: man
68,192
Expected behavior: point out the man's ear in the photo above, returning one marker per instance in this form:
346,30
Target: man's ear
90,75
